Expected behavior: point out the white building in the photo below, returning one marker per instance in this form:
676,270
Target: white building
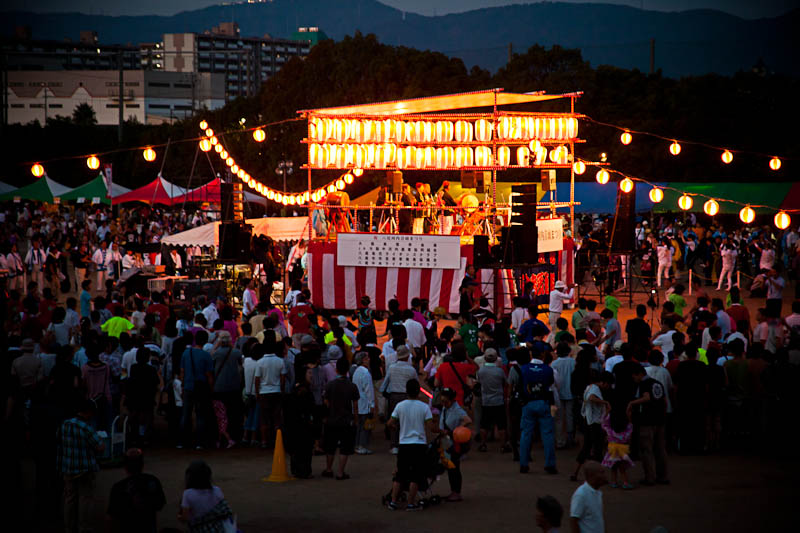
151,97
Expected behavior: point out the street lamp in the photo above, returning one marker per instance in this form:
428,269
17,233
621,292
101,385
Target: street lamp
285,168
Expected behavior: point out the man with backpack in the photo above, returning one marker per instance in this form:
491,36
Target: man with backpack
537,398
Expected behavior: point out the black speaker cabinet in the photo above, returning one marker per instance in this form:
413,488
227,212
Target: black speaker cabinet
394,181
481,255
234,242
518,247
622,230
467,179
226,199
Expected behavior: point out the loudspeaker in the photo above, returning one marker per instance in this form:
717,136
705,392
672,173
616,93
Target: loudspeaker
483,180
226,199
517,247
481,256
467,179
234,242
394,181
623,228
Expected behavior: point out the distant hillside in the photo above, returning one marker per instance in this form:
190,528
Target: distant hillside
687,43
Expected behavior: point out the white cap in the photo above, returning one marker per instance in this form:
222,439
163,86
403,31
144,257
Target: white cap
560,285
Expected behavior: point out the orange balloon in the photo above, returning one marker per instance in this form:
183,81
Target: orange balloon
461,434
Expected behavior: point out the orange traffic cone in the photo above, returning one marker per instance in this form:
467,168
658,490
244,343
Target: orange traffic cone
279,473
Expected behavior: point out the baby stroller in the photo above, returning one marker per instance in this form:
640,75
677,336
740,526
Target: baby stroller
434,467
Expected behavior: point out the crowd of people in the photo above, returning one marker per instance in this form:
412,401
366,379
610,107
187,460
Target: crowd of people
703,375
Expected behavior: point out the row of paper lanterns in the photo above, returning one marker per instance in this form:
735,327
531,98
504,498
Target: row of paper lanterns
507,128
711,207
93,162
428,157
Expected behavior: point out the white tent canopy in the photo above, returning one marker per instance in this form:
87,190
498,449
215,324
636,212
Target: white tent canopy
277,228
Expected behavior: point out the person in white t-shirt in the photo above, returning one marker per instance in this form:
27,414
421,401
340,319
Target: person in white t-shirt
412,416
586,506
664,252
519,314
729,253
557,298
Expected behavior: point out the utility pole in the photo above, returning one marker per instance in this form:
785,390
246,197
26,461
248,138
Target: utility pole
44,84
510,52
121,84
652,56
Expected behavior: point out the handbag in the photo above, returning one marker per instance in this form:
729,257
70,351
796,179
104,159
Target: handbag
468,394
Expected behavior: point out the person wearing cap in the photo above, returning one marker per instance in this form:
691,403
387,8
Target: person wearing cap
394,384
77,446
367,408
557,298
134,502
494,393
616,358
446,202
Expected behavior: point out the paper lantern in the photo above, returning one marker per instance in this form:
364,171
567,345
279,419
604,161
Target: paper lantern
390,151
241,173
37,170
235,169
419,157
483,130
348,178
370,150
340,184
579,167
259,135
213,140
405,157
774,163
483,156
509,128
656,195
602,176
534,145
559,155
357,172
727,157
203,124
306,196
209,132
462,131
223,154
711,207
747,215
675,148
625,138
149,154
504,156
572,128
444,131
229,161
626,185
685,202
341,157
399,131
782,220
523,156
205,145
384,130
92,162
444,157
464,156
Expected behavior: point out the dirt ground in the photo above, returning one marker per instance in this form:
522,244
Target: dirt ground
732,492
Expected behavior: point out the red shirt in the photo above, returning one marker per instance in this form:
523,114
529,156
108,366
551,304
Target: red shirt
737,313
298,318
161,313
46,308
449,379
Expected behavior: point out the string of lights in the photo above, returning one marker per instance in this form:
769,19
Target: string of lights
726,154
747,213
211,142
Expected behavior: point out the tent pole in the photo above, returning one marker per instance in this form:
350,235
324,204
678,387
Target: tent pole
160,171
191,174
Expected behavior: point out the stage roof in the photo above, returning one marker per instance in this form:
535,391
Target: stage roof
447,102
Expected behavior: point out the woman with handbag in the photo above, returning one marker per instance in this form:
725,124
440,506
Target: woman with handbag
227,388
453,416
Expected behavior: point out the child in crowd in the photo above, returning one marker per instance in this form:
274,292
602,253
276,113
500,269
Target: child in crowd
618,430
593,411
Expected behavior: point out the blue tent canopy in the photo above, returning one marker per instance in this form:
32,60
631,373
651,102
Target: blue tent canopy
601,199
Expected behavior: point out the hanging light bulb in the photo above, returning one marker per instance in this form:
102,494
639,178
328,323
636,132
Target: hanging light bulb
674,148
203,124
782,220
205,145
656,195
626,185
625,138
747,215
92,162
602,176
775,163
579,167
685,202
149,154
727,157
711,207
209,132
37,170
259,135
357,172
